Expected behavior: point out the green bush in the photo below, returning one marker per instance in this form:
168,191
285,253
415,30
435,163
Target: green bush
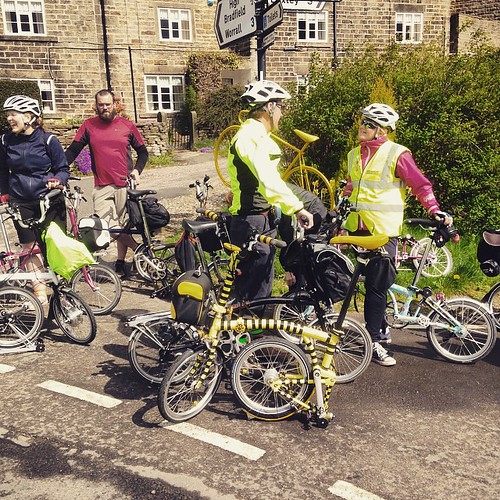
449,119
220,109
14,87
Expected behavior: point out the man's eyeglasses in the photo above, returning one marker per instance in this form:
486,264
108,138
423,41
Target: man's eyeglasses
281,105
369,125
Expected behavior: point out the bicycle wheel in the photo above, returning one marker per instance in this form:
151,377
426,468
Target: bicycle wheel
189,385
108,292
494,303
352,354
219,269
156,262
439,261
267,374
157,345
221,150
470,342
74,317
313,180
21,317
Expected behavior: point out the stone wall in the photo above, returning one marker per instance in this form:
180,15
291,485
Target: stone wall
474,16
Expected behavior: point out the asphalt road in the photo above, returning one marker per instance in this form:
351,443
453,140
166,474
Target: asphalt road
423,429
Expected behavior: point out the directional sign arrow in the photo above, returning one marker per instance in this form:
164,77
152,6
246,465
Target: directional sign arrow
234,19
272,16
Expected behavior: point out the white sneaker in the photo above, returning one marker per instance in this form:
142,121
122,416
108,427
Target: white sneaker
381,356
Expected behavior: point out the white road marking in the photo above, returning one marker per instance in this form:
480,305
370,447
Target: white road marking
224,442
348,491
77,392
6,368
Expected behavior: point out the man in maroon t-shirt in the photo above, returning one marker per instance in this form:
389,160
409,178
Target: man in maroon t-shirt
110,139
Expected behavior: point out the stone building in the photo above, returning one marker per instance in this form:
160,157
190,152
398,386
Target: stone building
140,47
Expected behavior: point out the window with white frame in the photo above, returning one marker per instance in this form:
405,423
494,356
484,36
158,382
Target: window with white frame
175,24
24,17
409,27
164,93
47,92
312,26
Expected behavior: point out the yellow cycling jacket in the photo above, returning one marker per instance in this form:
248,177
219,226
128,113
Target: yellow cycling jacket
253,169
377,193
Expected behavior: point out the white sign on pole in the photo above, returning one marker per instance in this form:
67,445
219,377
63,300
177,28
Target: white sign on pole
272,16
308,5
234,19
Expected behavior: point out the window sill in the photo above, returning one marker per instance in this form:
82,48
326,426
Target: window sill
28,38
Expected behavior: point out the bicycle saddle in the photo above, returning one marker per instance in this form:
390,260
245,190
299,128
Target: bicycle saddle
139,193
369,242
198,226
305,136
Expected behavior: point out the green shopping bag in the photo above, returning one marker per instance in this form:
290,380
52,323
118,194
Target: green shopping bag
65,255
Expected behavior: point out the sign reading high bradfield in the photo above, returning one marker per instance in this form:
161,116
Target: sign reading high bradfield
234,19
311,5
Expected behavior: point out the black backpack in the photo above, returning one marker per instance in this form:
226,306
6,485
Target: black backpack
157,215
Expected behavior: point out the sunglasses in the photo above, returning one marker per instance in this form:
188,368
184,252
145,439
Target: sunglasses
281,105
369,125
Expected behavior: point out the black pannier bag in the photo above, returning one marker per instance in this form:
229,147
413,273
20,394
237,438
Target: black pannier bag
191,298
488,252
157,215
333,271
94,233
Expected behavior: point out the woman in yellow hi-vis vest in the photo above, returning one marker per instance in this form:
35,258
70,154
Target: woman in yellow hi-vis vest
379,171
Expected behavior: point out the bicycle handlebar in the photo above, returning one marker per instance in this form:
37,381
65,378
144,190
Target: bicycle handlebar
262,238
442,233
44,206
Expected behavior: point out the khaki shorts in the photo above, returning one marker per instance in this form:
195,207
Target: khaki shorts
110,203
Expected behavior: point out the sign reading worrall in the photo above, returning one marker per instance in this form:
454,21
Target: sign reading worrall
234,19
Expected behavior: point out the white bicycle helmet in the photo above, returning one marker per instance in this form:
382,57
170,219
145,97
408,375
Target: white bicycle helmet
22,104
261,92
382,114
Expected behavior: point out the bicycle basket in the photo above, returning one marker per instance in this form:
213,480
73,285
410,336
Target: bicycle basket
488,252
94,233
333,271
191,298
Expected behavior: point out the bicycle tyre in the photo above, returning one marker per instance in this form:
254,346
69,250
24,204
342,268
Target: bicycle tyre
439,262
74,317
311,179
494,303
480,335
152,350
264,362
21,317
183,394
352,354
108,294
221,149
157,262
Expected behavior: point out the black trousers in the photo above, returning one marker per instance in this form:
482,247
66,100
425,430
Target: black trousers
257,268
380,274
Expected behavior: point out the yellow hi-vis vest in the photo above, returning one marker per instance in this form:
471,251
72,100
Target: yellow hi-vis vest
377,193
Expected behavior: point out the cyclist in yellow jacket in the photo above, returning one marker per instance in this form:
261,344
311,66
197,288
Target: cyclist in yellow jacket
257,186
379,171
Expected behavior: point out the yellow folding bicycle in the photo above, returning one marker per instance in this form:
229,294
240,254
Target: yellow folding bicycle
297,172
